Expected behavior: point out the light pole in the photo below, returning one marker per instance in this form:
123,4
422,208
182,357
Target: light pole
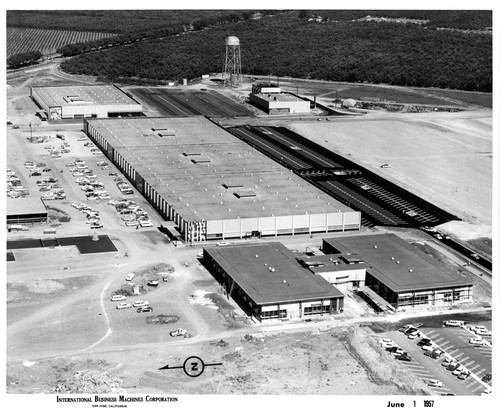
31,134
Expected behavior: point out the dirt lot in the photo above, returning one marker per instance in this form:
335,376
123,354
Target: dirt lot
444,157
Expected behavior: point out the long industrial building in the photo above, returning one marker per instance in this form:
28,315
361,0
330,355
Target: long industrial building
86,101
397,273
268,283
213,185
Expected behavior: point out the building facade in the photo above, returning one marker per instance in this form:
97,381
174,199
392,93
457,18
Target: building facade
213,185
89,101
268,283
400,273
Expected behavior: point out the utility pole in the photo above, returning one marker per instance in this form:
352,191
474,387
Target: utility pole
31,134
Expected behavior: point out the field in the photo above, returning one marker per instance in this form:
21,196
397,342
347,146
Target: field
21,40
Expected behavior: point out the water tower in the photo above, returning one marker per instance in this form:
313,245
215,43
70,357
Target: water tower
232,64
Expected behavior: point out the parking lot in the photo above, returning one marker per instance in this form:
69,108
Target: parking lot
76,183
456,348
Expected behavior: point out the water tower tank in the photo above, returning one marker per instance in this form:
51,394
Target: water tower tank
232,40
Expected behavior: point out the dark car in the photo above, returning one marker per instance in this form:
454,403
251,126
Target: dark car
46,169
165,279
452,367
403,357
153,282
424,342
144,309
486,378
36,173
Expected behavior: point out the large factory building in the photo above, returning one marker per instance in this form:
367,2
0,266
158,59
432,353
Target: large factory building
211,184
397,273
88,101
268,283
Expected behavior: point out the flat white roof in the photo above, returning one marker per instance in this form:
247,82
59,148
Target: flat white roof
83,95
197,167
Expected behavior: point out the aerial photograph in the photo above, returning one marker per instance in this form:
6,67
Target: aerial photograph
249,202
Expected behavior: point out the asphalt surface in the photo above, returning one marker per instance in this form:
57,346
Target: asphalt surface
454,341
380,201
183,104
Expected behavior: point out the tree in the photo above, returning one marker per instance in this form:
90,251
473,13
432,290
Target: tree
23,59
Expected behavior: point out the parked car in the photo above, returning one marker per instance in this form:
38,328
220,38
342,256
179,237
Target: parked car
459,370
130,276
118,298
36,173
403,357
463,375
478,341
486,378
434,383
131,223
153,282
144,309
96,225
424,342
414,335
454,323
124,306
141,303
147,223
178,332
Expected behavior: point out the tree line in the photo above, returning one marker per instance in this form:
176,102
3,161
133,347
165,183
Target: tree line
285,45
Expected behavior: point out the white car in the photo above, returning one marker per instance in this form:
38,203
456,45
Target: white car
414,335
124,306
118,298
130,276
147,223
178,332
459,370
141,303
478,328
454,323
222,243
483,332
478,341
131,223
434,383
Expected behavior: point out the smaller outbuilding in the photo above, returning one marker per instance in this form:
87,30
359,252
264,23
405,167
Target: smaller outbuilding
26,210
270,99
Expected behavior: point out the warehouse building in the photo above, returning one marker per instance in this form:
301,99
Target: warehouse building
400,275
88,101
268,283
274,103
213,185
271,100
26,210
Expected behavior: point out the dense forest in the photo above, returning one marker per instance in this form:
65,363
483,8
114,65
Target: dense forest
343,47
